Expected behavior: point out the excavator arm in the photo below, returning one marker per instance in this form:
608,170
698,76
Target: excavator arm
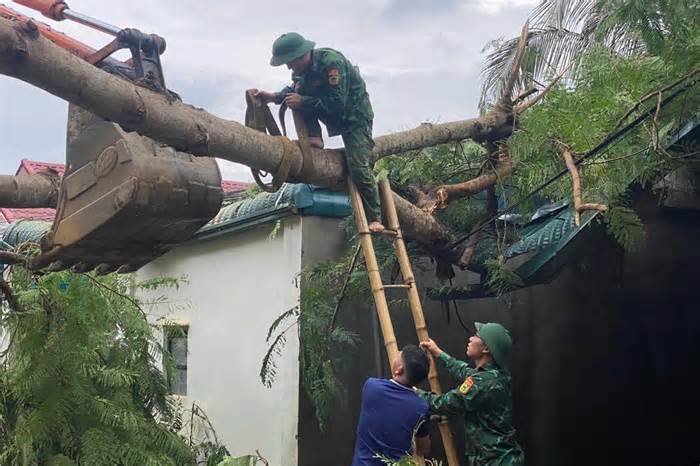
124,198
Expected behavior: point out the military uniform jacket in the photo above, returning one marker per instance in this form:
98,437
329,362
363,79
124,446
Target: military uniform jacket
484,398
333,90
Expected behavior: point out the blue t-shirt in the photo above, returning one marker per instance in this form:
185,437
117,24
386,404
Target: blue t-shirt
389,415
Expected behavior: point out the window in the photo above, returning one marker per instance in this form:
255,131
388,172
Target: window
176,346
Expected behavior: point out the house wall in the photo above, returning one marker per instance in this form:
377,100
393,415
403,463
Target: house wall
237,285
606,356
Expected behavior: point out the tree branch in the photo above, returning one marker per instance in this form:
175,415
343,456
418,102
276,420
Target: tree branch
331,324
655,93
521,108
10,297
11,258
441,196
579,206
506,99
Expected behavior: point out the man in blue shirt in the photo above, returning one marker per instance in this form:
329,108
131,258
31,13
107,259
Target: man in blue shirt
392,413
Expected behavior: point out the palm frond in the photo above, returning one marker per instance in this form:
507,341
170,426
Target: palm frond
562,31
548,51
563,14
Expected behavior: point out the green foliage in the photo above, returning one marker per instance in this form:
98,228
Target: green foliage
408,461
500,279
81,381
626,227
607,87
438,165
441,164
268,369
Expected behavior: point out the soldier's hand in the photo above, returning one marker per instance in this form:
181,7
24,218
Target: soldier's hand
293,101
265,96
431,347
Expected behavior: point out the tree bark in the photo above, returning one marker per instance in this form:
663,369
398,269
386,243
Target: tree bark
29,191
26,55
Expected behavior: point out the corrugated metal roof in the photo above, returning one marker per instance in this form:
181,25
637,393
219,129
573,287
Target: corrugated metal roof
25,230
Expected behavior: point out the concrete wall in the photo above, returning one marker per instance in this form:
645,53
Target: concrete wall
238,284
605,363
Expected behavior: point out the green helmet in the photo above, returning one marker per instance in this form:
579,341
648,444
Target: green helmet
498,340
289,46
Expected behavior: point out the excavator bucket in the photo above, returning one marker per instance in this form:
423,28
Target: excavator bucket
124,199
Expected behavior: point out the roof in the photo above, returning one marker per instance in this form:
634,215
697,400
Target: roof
231,187
290,199
32,167
25,230
13,215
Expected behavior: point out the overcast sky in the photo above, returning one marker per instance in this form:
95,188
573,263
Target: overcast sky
420,58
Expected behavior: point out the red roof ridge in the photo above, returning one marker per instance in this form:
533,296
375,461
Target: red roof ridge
32,166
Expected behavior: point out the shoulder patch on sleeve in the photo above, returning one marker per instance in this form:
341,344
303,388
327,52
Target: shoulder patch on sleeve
466,386
333,76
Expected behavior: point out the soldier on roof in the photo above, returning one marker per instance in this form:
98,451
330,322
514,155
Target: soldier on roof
328,88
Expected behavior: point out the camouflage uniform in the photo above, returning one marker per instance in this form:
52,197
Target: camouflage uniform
484,398
333,92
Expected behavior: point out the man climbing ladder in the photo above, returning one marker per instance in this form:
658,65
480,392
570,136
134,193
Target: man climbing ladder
328,88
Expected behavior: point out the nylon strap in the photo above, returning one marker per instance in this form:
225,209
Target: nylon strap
307,167
259,117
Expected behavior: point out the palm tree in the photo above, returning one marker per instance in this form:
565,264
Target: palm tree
562,31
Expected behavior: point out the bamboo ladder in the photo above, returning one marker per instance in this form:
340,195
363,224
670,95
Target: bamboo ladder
409,284
258,116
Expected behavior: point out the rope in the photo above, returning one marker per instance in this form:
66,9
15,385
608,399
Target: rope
259,117
307,166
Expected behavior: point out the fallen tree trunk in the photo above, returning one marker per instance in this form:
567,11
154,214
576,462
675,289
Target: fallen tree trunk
26,55
29,191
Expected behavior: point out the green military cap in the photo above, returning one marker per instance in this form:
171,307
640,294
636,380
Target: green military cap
289,46
498,340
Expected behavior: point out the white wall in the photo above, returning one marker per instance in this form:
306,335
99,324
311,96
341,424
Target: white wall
238,284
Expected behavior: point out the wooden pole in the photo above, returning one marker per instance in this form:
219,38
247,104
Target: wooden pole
375,279
416,310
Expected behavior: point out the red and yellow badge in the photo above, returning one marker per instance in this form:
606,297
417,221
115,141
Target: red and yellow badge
464,388
334,76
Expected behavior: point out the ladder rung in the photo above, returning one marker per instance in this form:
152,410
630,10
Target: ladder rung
386,232
396,286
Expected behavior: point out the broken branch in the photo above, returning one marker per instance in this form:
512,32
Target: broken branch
579,206
506,98
439,197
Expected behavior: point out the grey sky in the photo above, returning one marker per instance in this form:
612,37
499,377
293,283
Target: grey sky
420,59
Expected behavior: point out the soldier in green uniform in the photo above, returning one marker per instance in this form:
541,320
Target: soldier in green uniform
327,87
484,398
